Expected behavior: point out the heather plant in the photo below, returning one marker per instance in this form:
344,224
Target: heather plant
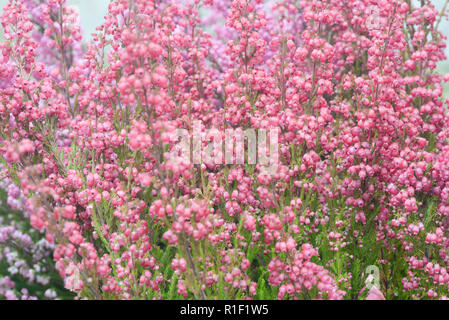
27,270
350,87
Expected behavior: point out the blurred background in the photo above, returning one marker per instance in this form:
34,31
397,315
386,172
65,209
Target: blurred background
443,67
93,11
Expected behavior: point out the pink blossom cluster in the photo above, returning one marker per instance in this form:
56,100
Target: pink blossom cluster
362,175
26,263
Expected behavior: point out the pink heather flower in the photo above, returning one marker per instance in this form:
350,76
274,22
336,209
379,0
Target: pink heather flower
375,294
90,148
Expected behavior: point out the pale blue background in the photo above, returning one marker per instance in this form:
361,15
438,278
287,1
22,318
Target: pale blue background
93,11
